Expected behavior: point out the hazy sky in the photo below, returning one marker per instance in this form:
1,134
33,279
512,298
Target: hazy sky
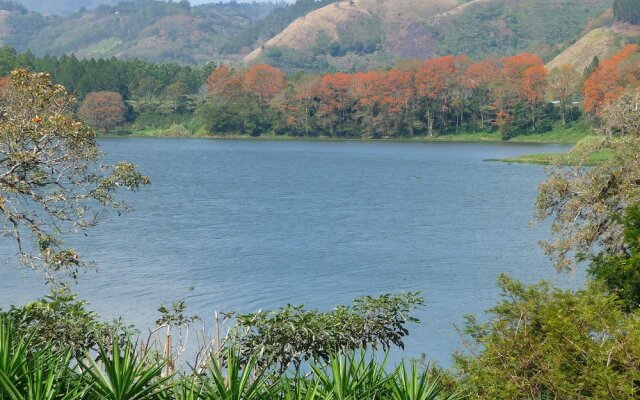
195,2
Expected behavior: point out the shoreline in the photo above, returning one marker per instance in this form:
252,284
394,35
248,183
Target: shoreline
460,138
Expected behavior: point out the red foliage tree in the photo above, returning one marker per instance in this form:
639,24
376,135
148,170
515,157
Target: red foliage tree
611,77
103,110
264,81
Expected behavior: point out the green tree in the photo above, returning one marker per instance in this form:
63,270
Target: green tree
294,335
546,343
587,204
51,178
620,273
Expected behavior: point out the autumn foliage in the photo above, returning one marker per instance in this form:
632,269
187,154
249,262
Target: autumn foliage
103,110
513,95
611,77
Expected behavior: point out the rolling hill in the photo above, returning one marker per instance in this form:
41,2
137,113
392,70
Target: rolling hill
151,30
316,35
600,42
426,28
63,7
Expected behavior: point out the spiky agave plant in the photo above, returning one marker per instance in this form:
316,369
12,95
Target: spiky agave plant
236,381
353,376
413,384
125,374
298,388
187,388
34,373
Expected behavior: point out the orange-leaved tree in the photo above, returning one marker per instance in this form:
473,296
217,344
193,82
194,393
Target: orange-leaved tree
611,77
103,110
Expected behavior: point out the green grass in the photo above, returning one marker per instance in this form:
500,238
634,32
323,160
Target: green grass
569,134
556,159
569,158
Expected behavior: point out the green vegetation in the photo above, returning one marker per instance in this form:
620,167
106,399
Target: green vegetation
158,31
510,27
627,11
175,31
65,7
126,372
268,27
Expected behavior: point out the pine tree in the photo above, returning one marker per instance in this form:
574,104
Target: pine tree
591,67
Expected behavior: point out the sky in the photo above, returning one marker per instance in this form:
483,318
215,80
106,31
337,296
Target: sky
197,2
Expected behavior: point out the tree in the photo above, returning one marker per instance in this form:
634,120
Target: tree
294,335
610,78
621,117
546,343
51,177
264,81
563,84
620,273
103,110
587,204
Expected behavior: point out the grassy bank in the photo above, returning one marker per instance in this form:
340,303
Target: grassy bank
569,134
569,158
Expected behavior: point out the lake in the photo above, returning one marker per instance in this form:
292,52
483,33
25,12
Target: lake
244,225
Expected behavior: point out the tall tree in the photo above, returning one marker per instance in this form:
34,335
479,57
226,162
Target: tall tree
51,179
563,84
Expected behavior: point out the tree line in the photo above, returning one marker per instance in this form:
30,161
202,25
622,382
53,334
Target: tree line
130,78
513,95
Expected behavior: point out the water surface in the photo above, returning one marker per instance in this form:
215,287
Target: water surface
244,225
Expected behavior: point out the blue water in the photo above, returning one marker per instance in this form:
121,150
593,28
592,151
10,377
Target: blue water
244,225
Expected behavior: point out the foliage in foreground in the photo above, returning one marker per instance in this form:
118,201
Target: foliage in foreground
541,342
125,372
52,181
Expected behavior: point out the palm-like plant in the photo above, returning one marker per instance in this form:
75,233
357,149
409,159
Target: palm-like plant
34,373
125,375
415,385
187,389
240,382
352,377
298,388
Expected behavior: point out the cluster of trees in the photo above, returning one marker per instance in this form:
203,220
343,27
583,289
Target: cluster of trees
132,78
513,95
437,96
610,77
627,11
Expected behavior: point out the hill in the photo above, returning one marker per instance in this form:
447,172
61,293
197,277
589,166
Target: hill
600,42
312,35
397,29
63,7
150,30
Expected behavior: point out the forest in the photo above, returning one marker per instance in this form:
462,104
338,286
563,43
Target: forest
513,96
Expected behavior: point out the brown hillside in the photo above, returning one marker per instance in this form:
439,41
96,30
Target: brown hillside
600,42
401,20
